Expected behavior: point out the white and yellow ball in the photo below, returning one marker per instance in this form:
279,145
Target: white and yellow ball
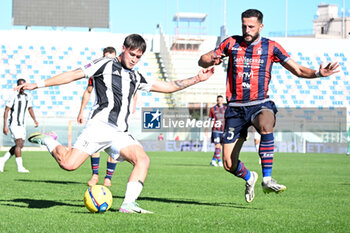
98,199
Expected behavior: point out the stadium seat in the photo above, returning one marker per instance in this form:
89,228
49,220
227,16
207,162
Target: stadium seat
38,60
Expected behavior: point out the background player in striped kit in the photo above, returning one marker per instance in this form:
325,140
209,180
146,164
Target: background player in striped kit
217,113
17,105
95,158
249,71
116,82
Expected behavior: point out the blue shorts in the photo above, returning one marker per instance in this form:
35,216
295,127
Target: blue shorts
216,137
238,120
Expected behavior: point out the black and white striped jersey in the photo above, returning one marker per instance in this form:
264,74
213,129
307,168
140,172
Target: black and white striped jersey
19,103
114,87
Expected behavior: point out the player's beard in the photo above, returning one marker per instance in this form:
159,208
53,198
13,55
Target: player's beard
256,36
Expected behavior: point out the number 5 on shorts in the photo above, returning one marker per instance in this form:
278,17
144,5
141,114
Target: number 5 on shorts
230,137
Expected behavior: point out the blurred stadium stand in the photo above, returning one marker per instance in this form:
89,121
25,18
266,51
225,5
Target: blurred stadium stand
44,54
38,55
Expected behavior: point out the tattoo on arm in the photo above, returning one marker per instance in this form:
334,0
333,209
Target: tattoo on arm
181,84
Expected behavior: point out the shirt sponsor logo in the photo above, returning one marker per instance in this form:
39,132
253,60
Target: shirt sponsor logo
247,61
246,85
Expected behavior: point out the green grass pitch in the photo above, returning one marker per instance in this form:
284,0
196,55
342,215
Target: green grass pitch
185,194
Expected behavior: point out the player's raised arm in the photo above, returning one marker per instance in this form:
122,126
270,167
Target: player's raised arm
57,80
173,86
305,72
209,59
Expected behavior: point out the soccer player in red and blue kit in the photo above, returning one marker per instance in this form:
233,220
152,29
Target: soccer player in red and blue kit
217,115
248,75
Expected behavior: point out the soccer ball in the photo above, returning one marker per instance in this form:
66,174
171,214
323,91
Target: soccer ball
98,199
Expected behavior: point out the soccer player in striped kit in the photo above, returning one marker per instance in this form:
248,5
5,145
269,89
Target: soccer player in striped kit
116,82
217,114
248,75
95,158
17,105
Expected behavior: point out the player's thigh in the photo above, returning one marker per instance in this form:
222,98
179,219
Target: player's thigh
75,158
264,121
125,147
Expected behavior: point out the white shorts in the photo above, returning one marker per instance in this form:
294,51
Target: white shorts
18,132
256,135
98,135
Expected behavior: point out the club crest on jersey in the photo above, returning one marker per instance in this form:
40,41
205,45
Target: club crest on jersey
259,51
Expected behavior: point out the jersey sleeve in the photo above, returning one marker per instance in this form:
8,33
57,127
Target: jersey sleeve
95,68
279,54
145,84
225,46
11,100
211,113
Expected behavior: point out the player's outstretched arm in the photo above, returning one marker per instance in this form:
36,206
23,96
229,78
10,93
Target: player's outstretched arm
209,59
173,86
57,80
305,72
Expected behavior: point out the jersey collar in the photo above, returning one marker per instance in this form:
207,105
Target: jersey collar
257,41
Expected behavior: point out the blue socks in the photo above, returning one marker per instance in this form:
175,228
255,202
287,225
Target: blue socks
266,150
242,171
95,164
110,169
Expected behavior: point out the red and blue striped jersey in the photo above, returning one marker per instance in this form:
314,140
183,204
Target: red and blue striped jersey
217,113
249,67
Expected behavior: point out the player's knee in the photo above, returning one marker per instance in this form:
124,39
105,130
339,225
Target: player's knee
226,167
143,160
267,128
230,166
19,144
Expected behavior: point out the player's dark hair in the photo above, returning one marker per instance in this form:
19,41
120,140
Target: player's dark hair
219,96
135,41
109,50
253,13
20,80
